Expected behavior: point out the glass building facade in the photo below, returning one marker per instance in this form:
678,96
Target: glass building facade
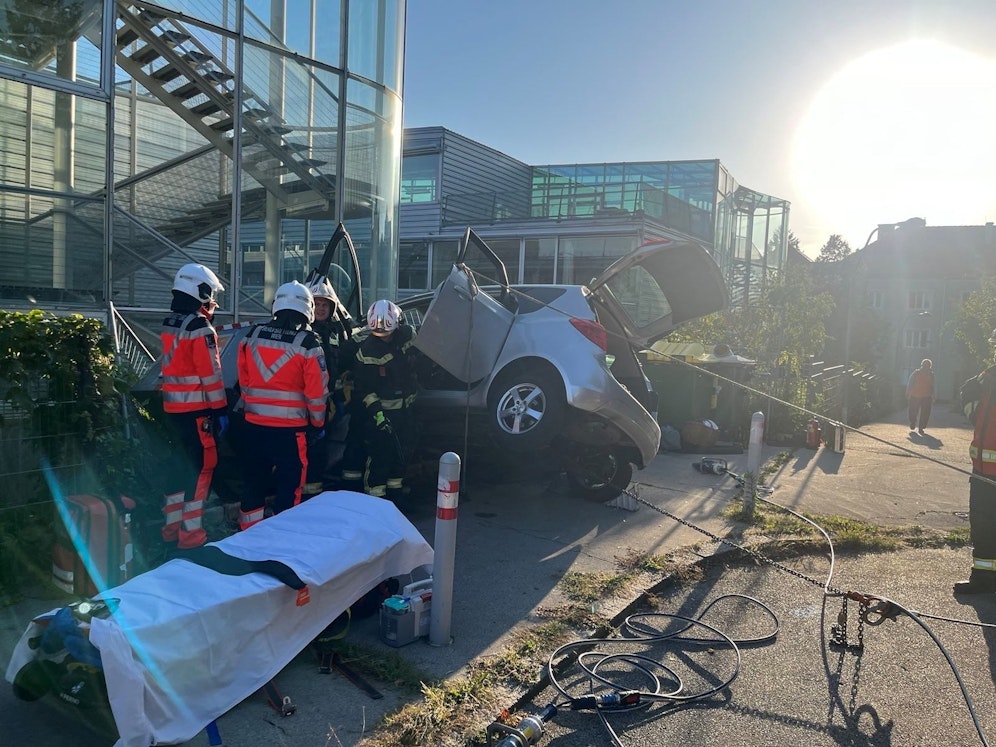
139,136
565,223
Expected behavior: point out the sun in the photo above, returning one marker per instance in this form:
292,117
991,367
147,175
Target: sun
905,131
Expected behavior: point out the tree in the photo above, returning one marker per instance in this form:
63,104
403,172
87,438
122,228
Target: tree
781,330
974,323
834,250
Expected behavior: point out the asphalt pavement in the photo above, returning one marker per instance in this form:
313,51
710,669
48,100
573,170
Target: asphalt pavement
516,541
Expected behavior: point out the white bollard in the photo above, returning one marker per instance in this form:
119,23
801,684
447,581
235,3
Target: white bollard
444,549
754,444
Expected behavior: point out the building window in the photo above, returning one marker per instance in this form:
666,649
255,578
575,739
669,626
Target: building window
919,301
916,339
413,265
876,300
539,260
419,177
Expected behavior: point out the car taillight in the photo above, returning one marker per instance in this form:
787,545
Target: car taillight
593,331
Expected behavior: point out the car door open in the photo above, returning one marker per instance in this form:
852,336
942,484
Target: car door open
465,327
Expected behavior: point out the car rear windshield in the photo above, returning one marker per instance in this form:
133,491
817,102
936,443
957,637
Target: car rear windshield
535,297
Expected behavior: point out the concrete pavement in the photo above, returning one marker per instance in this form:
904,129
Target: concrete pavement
516,541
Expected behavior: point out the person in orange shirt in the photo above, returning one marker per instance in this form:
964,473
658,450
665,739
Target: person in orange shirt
283,382
193,398
920,395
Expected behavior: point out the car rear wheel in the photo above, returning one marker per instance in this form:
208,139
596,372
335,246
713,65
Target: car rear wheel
526,408
598,475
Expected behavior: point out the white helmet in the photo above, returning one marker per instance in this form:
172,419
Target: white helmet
296,297
197,281
322,288
383,317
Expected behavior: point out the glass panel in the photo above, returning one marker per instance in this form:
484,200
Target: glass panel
413,270
372,175
187,203
581,260
376,40
51,244
50,37
443,255
218,12
418,178
538,265
328,32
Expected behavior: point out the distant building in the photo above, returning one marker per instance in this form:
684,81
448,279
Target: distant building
916,277
566,223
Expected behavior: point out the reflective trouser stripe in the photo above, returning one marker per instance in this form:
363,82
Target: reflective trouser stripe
394,483
352,474
192,534
984,564
173,510
248,518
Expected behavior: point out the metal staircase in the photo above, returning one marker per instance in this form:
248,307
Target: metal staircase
180,70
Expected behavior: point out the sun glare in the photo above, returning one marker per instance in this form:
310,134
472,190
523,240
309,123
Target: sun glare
905,131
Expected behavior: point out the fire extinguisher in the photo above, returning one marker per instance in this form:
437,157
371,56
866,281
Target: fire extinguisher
813,433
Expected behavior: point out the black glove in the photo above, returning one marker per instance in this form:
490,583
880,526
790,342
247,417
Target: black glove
315,435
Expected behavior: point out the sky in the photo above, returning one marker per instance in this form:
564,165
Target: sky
857,113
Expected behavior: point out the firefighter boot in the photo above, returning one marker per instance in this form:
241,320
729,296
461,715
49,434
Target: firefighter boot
979,582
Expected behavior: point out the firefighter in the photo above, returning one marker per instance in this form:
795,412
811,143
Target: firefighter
333,325
284,384
982,488
354,454
193,398
385,382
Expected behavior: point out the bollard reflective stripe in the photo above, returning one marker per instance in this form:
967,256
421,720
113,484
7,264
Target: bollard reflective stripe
447,495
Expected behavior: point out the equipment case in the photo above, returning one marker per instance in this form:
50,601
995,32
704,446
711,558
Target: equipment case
93,547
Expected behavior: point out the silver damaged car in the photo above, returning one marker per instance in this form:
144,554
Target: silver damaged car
552,371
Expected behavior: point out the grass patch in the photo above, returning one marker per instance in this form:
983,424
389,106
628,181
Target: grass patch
641,562
385,666
590,587
847,535
458,710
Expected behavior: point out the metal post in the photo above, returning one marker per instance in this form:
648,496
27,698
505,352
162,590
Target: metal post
754,444
444,549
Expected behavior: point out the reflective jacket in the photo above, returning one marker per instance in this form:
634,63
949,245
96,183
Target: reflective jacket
283,377
191,368
983,448
384,371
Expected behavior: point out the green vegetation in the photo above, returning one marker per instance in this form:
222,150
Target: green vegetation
61,422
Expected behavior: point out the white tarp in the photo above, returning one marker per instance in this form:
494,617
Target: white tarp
188,643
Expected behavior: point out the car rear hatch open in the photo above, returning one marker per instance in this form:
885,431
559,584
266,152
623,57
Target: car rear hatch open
658,287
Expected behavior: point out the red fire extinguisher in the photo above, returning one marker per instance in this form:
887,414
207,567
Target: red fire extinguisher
813,433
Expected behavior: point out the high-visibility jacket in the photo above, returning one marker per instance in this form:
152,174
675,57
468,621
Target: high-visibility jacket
384,371
191,368
983,448
283,377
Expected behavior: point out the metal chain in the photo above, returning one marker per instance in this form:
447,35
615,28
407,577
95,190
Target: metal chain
829,590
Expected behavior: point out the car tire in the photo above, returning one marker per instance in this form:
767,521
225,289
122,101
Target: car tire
598,475
526,408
